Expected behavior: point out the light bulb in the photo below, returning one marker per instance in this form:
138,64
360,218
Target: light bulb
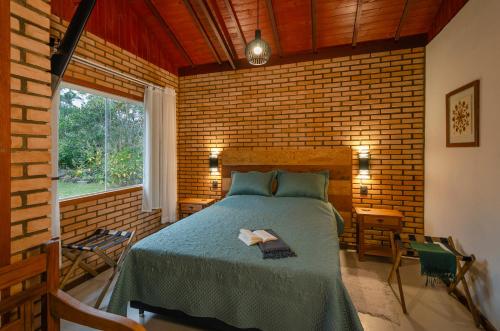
257,50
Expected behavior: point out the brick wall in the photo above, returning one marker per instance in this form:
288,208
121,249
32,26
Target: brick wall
376,100
119,210
32,25
371,99
30,126
98,50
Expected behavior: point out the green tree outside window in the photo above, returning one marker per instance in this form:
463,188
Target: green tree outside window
100,143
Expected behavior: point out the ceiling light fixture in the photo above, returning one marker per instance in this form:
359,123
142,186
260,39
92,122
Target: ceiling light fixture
258,50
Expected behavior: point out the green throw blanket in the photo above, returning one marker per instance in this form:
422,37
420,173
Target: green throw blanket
435,262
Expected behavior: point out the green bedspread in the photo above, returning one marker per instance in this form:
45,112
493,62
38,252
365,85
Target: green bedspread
199,266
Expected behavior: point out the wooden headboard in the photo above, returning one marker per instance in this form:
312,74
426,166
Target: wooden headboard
337,160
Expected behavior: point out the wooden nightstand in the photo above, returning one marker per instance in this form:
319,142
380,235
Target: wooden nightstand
188,206
383,219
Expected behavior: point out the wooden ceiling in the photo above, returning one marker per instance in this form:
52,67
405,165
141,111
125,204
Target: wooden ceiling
194,36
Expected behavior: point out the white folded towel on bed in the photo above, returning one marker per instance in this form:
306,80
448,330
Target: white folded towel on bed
255,237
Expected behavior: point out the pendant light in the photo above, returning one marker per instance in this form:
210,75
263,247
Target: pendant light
258,50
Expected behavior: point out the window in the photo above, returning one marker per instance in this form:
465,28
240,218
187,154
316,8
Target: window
100,142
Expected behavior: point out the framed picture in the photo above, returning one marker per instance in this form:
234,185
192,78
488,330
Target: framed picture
462,116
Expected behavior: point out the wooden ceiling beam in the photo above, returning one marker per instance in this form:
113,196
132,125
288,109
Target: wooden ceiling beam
323,53
168,30
202,30
217,32
314,25
236,22
357,21
402,20
221,26
272,17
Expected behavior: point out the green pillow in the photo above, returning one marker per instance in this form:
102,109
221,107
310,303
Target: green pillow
303,184
252,183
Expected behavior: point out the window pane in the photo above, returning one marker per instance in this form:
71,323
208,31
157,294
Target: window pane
81,143
100,143
125,144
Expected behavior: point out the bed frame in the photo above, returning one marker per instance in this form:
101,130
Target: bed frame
337,160
177,316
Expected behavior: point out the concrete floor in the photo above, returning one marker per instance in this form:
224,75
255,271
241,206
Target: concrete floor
429,308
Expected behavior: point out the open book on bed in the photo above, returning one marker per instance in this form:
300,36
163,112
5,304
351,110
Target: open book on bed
255,237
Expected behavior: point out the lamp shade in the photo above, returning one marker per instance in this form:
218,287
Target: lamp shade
258,51
213,162
364,164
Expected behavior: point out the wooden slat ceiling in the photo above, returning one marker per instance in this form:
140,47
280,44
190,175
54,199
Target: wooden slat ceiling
185,35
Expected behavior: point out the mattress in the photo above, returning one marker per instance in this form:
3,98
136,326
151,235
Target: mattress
199,266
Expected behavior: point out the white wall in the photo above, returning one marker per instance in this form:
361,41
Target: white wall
462,185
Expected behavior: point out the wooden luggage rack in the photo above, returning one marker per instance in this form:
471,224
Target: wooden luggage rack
97,243
464,263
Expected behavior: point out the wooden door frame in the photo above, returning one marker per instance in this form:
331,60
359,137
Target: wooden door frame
5,139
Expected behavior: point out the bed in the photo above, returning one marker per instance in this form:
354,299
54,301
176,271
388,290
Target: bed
198,265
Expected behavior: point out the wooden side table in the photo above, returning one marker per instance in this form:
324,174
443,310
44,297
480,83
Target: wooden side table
189,206
383,219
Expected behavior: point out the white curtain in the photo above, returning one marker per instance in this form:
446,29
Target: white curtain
55,223
160,153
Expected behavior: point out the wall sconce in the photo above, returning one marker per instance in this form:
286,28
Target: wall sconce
364,168
213,164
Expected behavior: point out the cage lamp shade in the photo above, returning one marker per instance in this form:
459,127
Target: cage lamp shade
258,51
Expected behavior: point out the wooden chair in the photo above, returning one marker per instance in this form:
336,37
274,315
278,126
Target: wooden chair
464,263
17,310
